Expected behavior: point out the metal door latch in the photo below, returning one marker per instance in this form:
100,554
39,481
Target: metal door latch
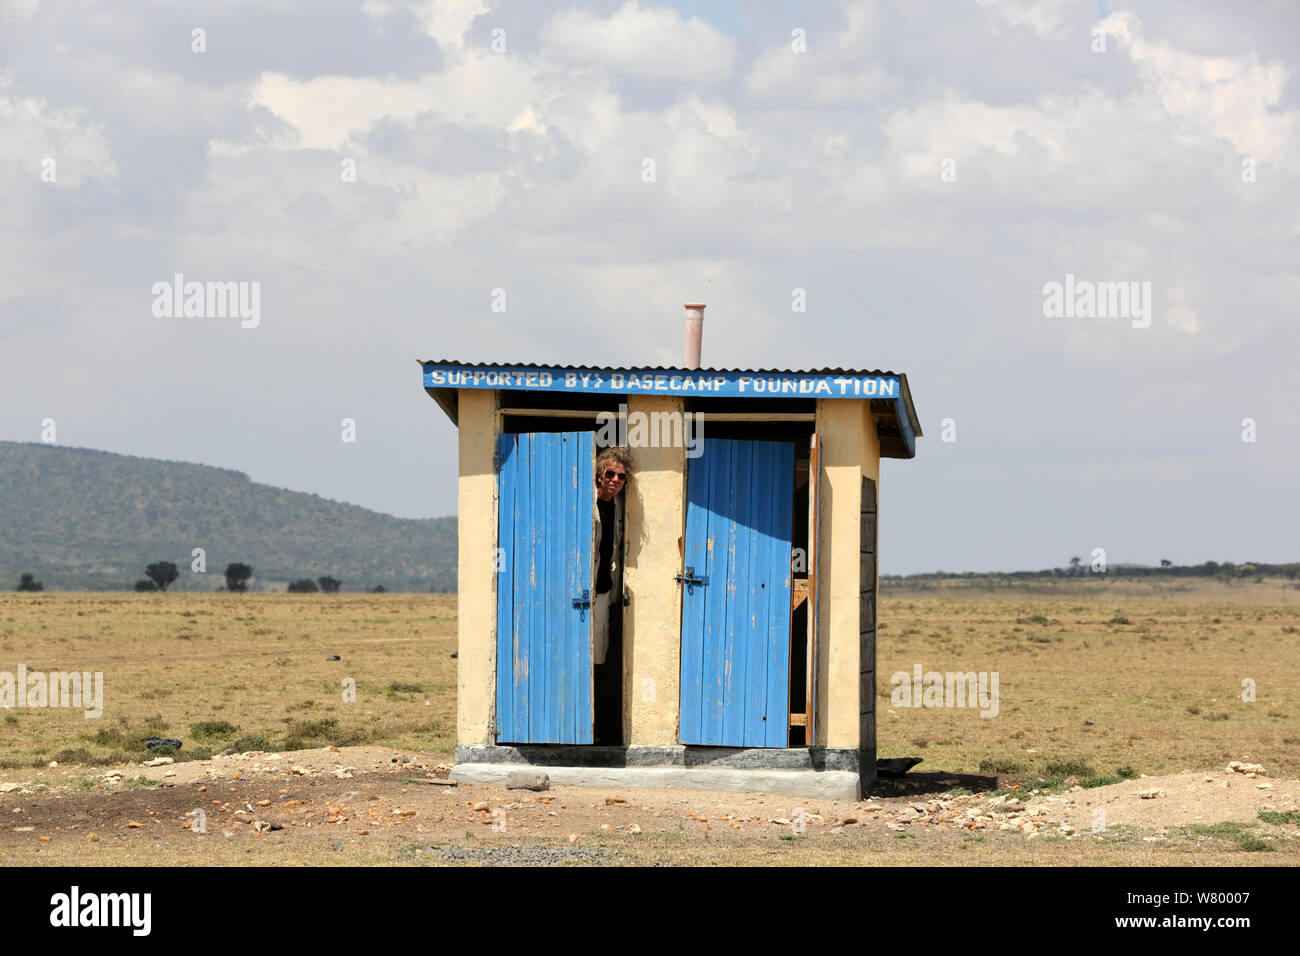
584,602
691,579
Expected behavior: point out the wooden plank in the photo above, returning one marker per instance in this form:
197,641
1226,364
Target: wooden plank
585,570
798,593
542,594
744,673
507,466
721,551
694,554
552,412
779,534
814,531
523,616
757,416
530,667
798,720
582,559
563,550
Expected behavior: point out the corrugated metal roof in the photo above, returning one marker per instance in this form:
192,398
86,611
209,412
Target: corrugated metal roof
910,410
665,368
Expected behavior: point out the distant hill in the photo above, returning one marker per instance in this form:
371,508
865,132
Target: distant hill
81,519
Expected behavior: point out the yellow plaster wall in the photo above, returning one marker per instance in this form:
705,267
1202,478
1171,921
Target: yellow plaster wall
654,523
849,450
476,518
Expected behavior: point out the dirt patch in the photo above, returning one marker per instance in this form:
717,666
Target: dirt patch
1181,799
366,805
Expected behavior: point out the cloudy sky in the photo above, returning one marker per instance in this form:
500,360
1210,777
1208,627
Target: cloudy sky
922,170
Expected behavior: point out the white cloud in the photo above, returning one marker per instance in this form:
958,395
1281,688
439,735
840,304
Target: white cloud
524,171
805,77
480,88
18,11
828,68
950,125
446,21
31,131
325,110
1233,98
651,42
1047,18
1178,311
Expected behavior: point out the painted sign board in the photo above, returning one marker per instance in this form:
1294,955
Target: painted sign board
686,382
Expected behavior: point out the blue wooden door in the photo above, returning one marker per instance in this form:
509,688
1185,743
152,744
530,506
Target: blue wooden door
545,587
736,600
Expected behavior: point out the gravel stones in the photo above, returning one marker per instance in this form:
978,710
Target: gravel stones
525,855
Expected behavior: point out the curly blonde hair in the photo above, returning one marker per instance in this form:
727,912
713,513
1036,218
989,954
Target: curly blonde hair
620,454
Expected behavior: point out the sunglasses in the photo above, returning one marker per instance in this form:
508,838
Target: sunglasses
610,475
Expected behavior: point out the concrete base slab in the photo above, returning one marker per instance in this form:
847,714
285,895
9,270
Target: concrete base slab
825,784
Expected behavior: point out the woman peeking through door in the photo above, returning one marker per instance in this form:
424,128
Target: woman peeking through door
613,471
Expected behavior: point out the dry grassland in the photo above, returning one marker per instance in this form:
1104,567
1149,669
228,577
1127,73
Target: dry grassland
172,662
1096,683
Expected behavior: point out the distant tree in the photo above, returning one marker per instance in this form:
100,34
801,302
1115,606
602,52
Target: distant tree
305,586
1074,565
144,584
1166,563
329,585
379,589
237,576
162,573
28,582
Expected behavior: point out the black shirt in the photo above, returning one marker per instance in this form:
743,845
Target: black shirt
605,557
